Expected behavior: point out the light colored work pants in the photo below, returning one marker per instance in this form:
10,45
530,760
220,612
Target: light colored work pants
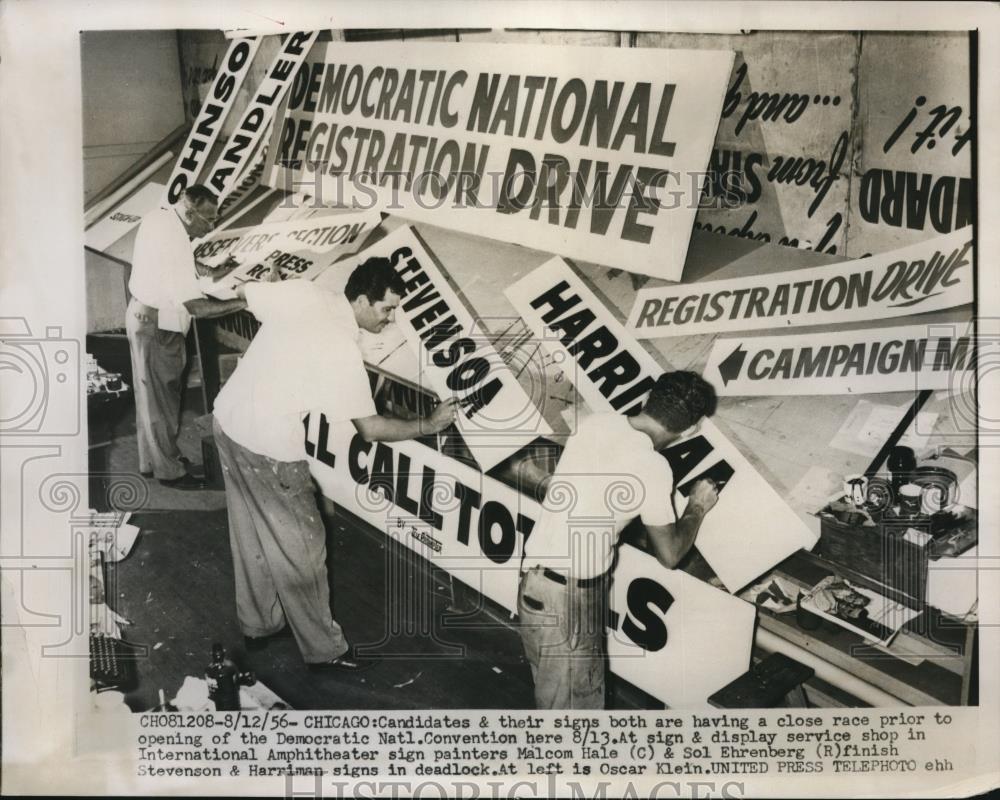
158,360
562,629
279,550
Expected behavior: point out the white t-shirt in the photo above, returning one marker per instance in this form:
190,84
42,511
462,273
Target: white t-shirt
305,357
163,270
608,474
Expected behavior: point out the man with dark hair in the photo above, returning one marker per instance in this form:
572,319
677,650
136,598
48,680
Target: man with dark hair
200,195
610,472
373,279
165,295
305,357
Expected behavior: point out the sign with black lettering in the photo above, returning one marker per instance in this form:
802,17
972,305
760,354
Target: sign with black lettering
302,248
247,182
900,359
242,144
205,131
913,173
594,153
613,372
664,627
779,169
929,276
456,357
667,610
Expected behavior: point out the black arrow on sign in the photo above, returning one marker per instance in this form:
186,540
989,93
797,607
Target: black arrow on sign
730,366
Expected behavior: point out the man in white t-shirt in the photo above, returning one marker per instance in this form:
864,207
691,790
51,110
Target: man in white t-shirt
304,357
610,472
165,295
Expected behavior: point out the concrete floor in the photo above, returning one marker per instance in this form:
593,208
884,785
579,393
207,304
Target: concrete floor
123,457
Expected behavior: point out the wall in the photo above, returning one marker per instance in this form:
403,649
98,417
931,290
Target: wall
131,99
105,293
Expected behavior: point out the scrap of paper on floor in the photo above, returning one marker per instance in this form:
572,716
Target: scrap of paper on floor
818,486
869,426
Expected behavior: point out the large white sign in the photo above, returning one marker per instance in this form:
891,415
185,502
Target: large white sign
247,133
613,372
900,359
591,152
456,357
929,276
665,627
205,131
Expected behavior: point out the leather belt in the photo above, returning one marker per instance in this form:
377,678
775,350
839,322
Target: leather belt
581,583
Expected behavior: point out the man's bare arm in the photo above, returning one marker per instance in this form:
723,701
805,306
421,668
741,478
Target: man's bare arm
377,428
671,543
206,307
273,276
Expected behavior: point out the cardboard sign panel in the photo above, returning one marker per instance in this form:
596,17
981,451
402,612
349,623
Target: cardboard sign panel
205,131
257,116
665,628
899,359
929,276
778,170
612,371
124,217
594,153
456,357
913,173
302,248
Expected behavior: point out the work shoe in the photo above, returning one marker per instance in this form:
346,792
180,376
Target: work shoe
256,643
185,482
194,469
348,662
